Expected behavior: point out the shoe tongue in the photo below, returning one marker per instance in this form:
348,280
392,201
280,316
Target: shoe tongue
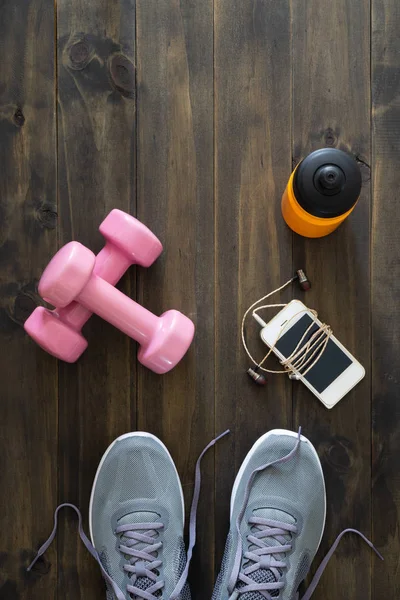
143,583
266,575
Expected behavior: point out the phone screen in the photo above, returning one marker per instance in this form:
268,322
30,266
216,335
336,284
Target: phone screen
331,364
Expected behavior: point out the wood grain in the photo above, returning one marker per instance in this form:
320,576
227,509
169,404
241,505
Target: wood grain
331,107
192,115
175,196
96,146
253,246
385,295
28,216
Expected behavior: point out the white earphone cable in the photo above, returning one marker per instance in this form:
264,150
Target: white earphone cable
305,355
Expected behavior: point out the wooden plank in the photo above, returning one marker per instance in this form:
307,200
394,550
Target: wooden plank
253,245
175,197
385,295
331,107
96,143
28,431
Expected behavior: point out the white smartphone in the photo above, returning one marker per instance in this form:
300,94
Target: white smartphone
334,374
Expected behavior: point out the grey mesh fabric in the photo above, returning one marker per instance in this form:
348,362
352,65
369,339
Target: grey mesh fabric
285,509
136,517
180,563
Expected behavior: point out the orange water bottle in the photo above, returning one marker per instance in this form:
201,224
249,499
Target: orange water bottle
321,193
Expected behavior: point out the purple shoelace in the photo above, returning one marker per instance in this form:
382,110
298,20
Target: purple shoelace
143,561
270,557
139,532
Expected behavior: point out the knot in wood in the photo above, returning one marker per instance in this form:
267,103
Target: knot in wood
79,54
122,73
19,118
24,305
330,138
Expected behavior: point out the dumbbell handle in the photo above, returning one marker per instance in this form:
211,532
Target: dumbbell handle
111,264
113,306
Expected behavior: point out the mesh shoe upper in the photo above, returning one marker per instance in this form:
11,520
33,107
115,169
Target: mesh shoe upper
285,510
136,517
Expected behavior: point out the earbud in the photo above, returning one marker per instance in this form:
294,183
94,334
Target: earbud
256,376
304,282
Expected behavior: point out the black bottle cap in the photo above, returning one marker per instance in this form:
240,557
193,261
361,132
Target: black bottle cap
327,183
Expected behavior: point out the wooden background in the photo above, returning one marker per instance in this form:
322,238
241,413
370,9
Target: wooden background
191,114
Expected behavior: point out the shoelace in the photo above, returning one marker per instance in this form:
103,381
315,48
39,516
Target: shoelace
145,565
143,562
265,557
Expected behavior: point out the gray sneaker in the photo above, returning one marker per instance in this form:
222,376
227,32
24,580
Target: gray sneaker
136,518
278,509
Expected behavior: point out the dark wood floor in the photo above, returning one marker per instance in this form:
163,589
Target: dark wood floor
190,114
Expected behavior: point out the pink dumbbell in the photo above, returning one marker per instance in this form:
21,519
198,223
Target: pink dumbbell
128,242
70,277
